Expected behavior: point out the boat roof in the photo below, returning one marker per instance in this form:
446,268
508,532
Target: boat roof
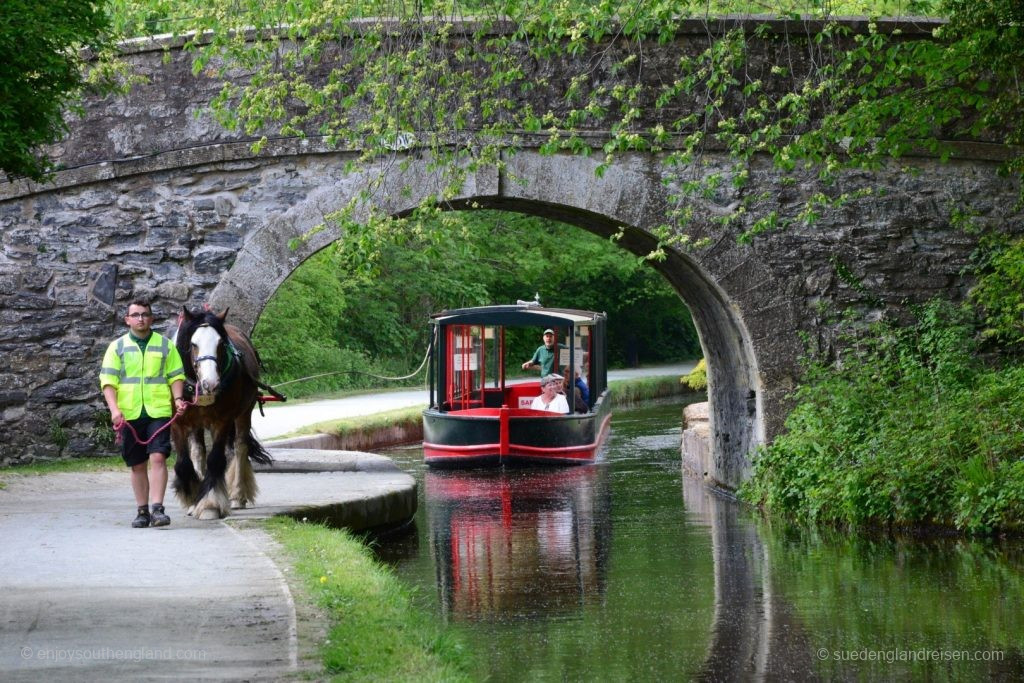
516,314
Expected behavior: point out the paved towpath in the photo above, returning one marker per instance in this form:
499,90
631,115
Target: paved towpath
84,597
283,418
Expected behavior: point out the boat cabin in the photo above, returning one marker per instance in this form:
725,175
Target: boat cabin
468,366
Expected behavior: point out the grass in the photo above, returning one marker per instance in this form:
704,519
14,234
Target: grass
376,633
352,425
629,392
112,463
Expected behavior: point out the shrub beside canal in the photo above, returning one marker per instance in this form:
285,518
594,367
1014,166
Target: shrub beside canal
909,428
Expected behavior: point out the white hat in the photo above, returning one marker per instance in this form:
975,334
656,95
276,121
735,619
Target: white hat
548,379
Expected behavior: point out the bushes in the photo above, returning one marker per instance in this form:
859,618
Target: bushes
698,377
908,428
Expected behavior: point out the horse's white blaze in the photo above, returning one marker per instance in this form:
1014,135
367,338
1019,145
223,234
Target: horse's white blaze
205,341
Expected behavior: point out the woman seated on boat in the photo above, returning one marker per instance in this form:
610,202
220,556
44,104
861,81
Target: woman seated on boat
550,400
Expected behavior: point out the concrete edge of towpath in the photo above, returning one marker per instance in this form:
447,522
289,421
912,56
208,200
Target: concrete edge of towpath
350,489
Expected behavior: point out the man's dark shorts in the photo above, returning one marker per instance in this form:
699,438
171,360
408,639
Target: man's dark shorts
135,453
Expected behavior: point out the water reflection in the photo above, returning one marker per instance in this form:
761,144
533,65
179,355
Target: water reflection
518,543
692,585
753,633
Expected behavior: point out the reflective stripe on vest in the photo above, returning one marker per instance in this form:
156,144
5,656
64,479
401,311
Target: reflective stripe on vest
142,396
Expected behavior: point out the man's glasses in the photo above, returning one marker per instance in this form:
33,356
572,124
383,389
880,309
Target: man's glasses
140,316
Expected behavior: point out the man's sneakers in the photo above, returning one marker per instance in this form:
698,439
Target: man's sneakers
159,517
143,519
156,517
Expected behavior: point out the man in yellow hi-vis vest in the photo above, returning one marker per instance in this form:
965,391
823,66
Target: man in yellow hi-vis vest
143,381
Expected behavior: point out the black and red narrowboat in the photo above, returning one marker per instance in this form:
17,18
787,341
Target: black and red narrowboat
477,416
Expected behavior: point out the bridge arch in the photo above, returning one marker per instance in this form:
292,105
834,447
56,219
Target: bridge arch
630,196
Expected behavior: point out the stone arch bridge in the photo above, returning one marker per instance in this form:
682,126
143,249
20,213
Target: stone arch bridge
156,200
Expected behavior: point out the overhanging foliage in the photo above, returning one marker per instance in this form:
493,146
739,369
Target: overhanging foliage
454,79
43,74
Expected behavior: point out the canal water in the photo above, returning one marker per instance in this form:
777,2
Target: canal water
626,570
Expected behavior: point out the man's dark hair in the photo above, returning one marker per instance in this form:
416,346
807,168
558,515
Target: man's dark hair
140,301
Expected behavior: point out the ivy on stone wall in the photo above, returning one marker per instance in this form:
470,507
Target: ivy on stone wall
450,81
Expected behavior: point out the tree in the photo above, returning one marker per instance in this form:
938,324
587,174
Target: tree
361,305
43,75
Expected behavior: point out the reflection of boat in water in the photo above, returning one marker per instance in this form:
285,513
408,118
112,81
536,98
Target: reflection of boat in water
476,418
517,543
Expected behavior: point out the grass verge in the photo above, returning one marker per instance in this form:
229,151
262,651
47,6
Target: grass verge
630,392
112,463
376,631
351,426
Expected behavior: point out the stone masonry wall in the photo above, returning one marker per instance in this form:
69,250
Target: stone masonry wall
70,261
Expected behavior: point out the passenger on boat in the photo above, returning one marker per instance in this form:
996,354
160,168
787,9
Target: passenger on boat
581,394
544,356
550,400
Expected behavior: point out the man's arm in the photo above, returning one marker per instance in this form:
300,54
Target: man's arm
110,396
178,396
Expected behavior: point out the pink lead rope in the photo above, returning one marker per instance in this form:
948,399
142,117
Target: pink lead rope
119,434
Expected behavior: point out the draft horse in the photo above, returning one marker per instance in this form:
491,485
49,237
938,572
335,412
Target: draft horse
222,370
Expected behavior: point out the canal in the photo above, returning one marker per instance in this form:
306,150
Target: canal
626,570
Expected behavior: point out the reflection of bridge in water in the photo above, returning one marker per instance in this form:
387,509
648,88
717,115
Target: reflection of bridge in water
513,543
754,635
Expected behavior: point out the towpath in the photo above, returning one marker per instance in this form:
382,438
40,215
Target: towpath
85,597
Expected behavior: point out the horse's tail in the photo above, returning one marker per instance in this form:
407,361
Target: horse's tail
257,453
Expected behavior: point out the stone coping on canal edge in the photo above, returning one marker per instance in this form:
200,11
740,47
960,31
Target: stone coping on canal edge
350,489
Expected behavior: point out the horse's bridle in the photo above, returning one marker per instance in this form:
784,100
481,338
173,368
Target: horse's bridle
226,375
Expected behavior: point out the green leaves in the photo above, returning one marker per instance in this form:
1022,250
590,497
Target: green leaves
906,428
822,102
43,73
1000,290
362,304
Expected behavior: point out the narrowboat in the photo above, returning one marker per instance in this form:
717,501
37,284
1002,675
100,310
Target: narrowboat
478,416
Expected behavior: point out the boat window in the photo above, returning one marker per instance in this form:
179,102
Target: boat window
466,366
494,352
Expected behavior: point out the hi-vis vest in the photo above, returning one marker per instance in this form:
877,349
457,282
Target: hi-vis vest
142,381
